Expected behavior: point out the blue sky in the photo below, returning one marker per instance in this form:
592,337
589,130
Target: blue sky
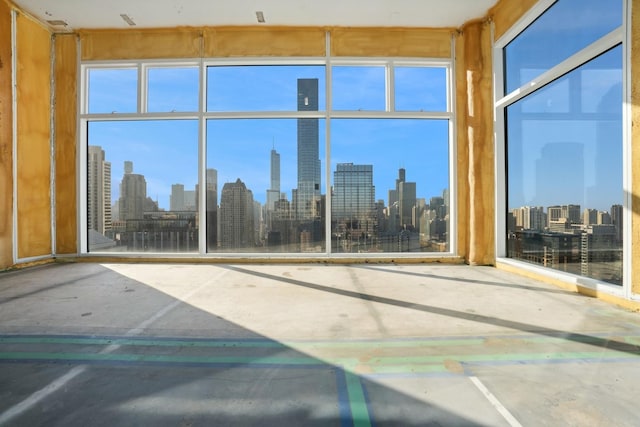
166,151
578,117
565,140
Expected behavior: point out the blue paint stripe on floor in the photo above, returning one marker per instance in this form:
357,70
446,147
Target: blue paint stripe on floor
344,406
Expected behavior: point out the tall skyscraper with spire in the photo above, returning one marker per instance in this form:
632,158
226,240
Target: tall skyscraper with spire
307,195
402,200
273,193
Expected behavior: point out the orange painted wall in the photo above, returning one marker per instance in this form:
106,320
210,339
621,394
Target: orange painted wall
226,42
6,139
390,42
66,63
33,138
476,170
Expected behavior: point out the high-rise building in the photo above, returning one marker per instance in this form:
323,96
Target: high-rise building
190,198
273,193
590,216
406,193
572,213
353,199
133,194
616,219
176,200
236,216
98,191
307,194
213,224
275,170
554,213
529,218
533,218
604,218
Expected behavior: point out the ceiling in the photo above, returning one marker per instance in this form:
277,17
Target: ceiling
94,14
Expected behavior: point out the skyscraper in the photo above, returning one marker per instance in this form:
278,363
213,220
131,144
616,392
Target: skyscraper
236,216
353,199
406,194
176,201
133,194
212,208
534,218
98,191
590,216
307,194
616,220
273,193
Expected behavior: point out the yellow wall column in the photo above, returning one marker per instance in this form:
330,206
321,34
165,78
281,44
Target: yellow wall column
462,148
33,154
475,131
66,70
6,139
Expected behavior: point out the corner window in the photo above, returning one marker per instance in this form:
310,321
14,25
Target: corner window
563,143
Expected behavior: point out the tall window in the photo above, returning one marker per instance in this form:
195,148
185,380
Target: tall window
564,140
261,158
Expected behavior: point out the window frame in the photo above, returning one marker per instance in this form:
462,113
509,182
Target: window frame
203,116
619,36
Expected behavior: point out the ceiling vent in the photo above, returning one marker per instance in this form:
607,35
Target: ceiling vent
57,23
126,18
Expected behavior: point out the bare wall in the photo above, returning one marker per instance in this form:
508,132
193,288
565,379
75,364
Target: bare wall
6,139
33,138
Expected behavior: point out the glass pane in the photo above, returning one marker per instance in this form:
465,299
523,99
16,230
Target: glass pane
563,30
359,88
172,89
142,186
265,88
390,199
420,88
565,191
113,90
266,191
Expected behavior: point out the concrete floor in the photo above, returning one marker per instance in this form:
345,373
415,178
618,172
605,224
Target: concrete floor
304,345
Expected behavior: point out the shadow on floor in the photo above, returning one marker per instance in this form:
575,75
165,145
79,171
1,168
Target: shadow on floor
62,365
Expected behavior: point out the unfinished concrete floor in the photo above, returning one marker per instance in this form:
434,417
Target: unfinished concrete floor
309,345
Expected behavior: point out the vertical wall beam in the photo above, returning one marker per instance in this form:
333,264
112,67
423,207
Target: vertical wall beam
6,138
476,130
65,116
33,149
462,148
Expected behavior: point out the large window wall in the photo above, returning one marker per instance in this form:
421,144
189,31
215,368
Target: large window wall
560,116
304,157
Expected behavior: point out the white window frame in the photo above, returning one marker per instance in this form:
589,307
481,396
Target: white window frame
202,116
502,100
